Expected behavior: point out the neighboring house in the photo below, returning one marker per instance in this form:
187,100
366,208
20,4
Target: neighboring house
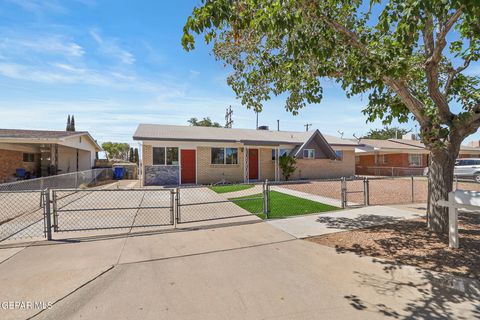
397,157
41,153
202,155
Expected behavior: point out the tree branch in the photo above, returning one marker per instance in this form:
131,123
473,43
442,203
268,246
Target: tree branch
453,73
399,86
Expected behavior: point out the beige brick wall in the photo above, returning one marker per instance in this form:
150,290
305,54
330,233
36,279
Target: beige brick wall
147,155
267,165
212,173
324,168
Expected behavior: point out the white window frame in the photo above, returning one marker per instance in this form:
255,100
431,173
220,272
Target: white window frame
310,153
165,156
224,156
414,163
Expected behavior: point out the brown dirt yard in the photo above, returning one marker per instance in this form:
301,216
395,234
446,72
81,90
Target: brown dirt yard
409,242
382,191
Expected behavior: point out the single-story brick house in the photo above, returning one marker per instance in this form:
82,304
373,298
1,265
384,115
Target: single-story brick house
42,153
397,157
201,155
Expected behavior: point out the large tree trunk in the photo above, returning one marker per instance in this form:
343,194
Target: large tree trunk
440,183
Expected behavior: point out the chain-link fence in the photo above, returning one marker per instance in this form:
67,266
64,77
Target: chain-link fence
21,215
80,179
389,171
202,203
76,210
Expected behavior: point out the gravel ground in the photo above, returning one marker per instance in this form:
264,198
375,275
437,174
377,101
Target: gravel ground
382,191
409,242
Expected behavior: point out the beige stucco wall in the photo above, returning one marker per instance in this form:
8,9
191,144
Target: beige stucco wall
325,168
212,173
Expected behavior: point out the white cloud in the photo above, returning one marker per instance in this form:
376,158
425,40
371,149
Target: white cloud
55,44
39,7
110,47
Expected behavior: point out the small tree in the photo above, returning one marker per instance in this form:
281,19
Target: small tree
205,122
136,158
386,133
287,165
116,150
131,156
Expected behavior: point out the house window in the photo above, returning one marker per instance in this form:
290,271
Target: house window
172,156
165,156
339,155
282,152
357,160
28,157
224,156
415,159
380,159
231,155
309,153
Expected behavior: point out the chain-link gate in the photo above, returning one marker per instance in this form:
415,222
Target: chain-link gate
203,203
80,210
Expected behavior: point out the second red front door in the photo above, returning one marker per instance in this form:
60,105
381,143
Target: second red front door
188,164
253,164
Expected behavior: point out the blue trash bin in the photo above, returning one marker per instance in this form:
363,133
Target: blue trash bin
118,173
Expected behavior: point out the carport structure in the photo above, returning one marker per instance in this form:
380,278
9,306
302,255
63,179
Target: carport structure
44,153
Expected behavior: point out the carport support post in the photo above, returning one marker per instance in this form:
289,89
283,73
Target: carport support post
453,222
48,220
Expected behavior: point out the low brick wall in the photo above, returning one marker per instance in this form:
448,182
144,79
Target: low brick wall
162,175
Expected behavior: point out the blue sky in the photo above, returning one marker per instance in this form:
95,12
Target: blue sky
114,64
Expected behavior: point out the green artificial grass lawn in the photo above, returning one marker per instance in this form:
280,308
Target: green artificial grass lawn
282,205
231,188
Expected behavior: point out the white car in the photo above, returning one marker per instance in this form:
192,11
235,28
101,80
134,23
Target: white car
468,168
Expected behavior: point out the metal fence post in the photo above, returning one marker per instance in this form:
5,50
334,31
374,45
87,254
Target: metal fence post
177,207
413,191
46,210
173,209
366,191
266,195
343,185
55,213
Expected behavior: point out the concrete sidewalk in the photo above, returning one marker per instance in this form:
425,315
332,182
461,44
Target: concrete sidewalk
342,220
243,270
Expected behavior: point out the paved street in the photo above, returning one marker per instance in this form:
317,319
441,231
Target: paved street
249,270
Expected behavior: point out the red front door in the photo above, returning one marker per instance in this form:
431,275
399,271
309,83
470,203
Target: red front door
188,166
253,164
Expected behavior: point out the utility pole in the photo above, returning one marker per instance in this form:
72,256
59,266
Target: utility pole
228,117
278,125
257,118
307,126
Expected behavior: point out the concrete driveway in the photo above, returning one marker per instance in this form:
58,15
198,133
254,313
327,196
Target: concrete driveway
248,270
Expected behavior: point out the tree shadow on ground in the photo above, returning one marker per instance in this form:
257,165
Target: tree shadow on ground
361,221
456,275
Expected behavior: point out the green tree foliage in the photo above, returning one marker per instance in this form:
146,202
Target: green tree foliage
410,57
386,133
205,122
131,155
287,165
136,157
116,150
